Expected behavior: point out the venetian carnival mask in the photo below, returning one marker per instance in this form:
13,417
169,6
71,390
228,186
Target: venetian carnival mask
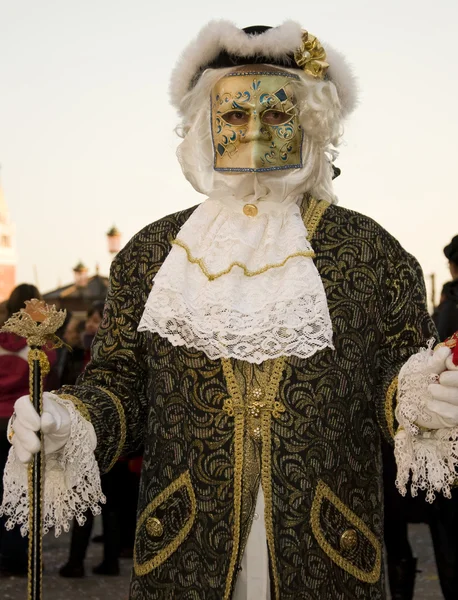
255,122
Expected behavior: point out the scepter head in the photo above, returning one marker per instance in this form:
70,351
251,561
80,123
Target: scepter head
37,322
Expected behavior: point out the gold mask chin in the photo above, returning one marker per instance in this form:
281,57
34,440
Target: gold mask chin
255,122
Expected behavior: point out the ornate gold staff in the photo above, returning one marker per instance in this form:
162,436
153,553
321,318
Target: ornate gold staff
38,323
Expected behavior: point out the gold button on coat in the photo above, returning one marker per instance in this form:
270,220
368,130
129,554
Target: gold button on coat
154,527
250,210
348,540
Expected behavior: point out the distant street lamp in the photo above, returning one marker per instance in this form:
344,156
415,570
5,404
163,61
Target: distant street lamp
114,240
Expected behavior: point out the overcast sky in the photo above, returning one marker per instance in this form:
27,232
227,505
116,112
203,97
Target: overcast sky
86,130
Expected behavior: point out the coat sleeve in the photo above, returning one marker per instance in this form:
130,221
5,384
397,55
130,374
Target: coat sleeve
406,324
112,390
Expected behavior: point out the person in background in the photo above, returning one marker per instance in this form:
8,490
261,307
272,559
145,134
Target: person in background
94,318
14,381
399,511
72,357
445,315
3,312
443,518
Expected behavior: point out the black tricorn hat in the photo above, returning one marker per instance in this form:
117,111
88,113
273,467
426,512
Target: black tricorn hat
221,44
228,59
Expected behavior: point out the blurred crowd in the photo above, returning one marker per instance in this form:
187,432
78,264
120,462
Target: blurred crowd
120,485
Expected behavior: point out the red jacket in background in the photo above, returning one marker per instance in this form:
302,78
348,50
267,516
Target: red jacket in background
14,371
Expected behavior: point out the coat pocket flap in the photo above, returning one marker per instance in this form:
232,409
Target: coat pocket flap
344,537
164,524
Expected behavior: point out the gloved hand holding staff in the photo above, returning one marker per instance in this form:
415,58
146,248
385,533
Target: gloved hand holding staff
38,323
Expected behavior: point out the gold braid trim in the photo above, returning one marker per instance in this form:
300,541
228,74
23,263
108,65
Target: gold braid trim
313,214
323,491
122,423
79,405
184,480
266,464
36,354
389,408
212,276
234,407
237,410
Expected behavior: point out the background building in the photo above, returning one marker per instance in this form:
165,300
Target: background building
8,257
78,297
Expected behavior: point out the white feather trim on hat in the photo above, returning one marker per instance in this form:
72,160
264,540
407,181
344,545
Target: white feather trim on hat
274,43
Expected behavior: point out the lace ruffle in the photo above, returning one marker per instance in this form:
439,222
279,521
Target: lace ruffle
280,311
431,456
72,481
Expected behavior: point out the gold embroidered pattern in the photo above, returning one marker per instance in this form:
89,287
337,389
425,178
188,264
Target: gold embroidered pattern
238,412
324,492
79,405
212,276
389,408
122,423
183,480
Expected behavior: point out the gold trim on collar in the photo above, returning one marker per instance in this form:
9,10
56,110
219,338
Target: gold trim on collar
312,216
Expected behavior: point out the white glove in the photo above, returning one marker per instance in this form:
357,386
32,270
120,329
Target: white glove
54,424
442,408
444,402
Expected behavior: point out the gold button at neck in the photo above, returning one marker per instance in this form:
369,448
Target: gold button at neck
250,210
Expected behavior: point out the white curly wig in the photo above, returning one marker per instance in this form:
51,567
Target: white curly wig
323,103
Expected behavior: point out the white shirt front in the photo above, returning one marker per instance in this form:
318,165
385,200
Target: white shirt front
253,582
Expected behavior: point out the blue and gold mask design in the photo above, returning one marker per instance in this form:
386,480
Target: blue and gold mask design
255,122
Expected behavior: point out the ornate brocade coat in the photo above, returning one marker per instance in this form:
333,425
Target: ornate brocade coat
317,424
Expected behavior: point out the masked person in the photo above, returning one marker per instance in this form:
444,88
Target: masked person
254,345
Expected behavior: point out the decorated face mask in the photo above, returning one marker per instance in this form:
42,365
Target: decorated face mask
255,122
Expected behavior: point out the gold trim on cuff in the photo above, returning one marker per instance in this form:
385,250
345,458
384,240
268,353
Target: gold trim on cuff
389,408
122,423
78,404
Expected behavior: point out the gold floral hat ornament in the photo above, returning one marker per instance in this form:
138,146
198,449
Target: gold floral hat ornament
311,56
221,44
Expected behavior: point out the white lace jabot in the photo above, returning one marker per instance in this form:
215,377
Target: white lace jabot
238,285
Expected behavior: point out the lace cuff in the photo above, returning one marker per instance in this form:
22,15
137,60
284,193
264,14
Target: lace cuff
431,455
72,480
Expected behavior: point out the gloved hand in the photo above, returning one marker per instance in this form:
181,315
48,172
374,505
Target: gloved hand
54,424
442,408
